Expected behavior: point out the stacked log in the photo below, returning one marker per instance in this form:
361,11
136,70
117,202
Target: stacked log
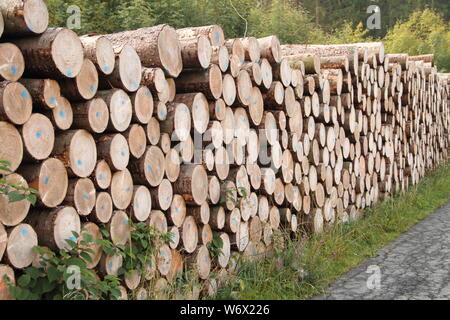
203,137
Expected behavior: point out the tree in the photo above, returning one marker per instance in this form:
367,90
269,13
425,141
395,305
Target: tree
348,34
135,14
424,32
292,24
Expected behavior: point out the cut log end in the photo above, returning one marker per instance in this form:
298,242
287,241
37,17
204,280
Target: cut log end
83,154
11,61
38,136
13,213
170,51
67,53
105,57
12,145
130,69
16,103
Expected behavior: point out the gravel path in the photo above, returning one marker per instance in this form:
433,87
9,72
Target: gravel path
415,266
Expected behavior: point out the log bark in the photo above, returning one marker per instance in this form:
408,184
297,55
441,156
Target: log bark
127,73
50,179
114,150
84,86
213,32
196,53
192,184
100,51
56,226
270,49
156,46
208,82
120,108
57,53
150,168
92,115
24,18
77,151
44,92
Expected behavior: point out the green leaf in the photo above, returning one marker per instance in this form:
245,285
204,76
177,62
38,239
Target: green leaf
105,233
5,162
75,234
76,262
15,196
86,257
31,198
33,272
24,280
53,274
88,237
88,250
71,243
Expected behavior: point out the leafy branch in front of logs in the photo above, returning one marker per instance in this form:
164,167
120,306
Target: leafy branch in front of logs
15,191
137,254
229,195
65,276
215,246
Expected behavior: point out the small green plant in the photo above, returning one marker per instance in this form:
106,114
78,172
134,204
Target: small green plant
15,191
215,246
137,253
230,195
65,276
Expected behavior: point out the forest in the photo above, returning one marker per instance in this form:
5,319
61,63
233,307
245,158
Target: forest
412,26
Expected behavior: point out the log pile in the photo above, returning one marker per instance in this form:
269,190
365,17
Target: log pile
199,135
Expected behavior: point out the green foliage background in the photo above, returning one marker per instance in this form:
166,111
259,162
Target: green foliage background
412,26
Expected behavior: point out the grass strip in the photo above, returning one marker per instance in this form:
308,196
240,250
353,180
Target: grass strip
305,267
